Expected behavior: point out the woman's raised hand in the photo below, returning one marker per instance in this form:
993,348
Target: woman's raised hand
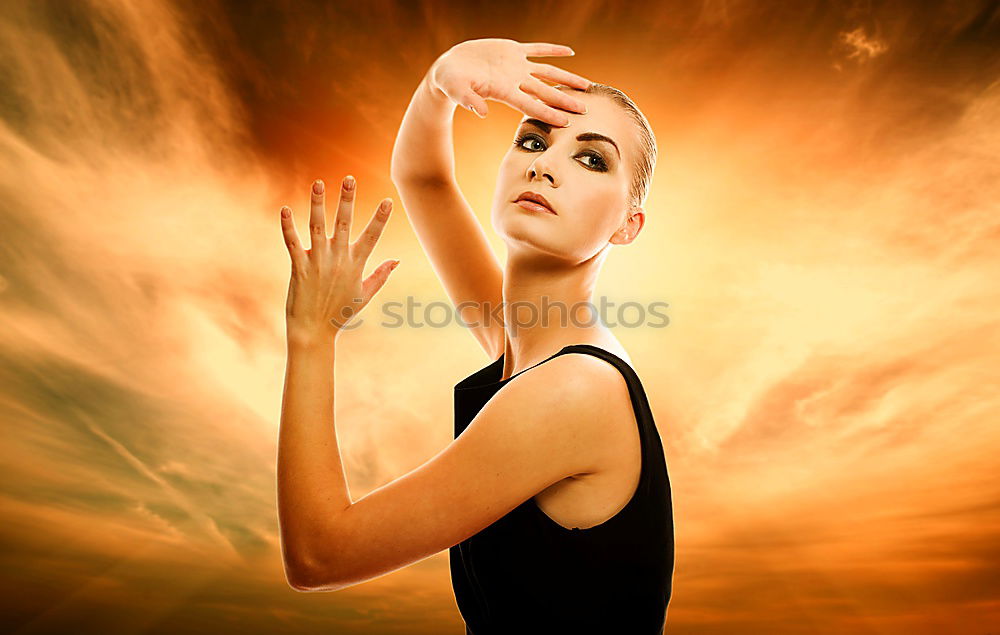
473,71
326,289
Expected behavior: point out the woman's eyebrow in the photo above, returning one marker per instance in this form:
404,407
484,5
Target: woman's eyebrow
584,136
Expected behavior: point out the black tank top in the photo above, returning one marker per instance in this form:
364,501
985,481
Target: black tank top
526,573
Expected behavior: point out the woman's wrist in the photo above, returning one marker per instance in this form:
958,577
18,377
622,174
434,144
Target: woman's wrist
306,338
423,150
431,90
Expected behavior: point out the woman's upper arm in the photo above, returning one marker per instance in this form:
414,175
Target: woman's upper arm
460,254
544,426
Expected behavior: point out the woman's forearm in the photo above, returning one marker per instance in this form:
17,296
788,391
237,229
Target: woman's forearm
312,486
423,151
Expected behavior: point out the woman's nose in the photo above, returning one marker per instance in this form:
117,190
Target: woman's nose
535,169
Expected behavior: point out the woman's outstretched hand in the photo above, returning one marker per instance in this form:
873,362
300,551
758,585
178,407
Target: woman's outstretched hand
326,289
473,71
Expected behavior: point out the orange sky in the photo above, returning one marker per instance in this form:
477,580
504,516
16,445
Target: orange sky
823,224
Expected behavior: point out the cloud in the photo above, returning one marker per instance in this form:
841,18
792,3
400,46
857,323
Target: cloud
863,47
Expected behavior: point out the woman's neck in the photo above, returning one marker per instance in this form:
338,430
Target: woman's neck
547,304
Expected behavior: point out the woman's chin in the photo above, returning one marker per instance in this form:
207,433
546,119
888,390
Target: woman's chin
529,239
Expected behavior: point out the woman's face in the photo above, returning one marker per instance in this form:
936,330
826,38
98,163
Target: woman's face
585,180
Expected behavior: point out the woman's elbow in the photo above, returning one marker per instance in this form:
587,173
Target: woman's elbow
302,579
301,572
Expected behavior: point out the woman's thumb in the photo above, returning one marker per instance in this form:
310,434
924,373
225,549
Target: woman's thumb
377,280
476,104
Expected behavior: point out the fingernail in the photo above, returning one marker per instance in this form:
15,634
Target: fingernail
318,187
395,263
349,183
285,212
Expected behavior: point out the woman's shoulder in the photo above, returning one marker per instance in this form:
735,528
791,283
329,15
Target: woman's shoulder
572,373
610,345
590,376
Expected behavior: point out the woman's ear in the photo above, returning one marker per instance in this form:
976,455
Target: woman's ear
630,228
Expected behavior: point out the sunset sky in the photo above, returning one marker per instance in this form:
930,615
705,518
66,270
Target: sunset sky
824,225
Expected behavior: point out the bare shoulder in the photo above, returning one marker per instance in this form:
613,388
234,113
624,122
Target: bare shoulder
573,396
584,378
579,371
554,420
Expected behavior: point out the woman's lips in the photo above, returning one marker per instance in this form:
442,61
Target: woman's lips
534,207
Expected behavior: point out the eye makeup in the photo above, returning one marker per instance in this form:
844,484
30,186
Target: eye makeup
599,164
583,136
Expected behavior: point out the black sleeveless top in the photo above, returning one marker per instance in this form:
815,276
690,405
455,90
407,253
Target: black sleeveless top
526,573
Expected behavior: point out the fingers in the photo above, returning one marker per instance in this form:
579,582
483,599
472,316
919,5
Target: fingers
534,108
373,231
559,75
295,250
545,49
317,216
552,95
345,211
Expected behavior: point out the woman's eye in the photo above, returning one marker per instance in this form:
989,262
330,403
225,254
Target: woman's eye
598,161
521,140
598,164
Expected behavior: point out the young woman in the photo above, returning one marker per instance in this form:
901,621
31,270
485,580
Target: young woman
553,499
